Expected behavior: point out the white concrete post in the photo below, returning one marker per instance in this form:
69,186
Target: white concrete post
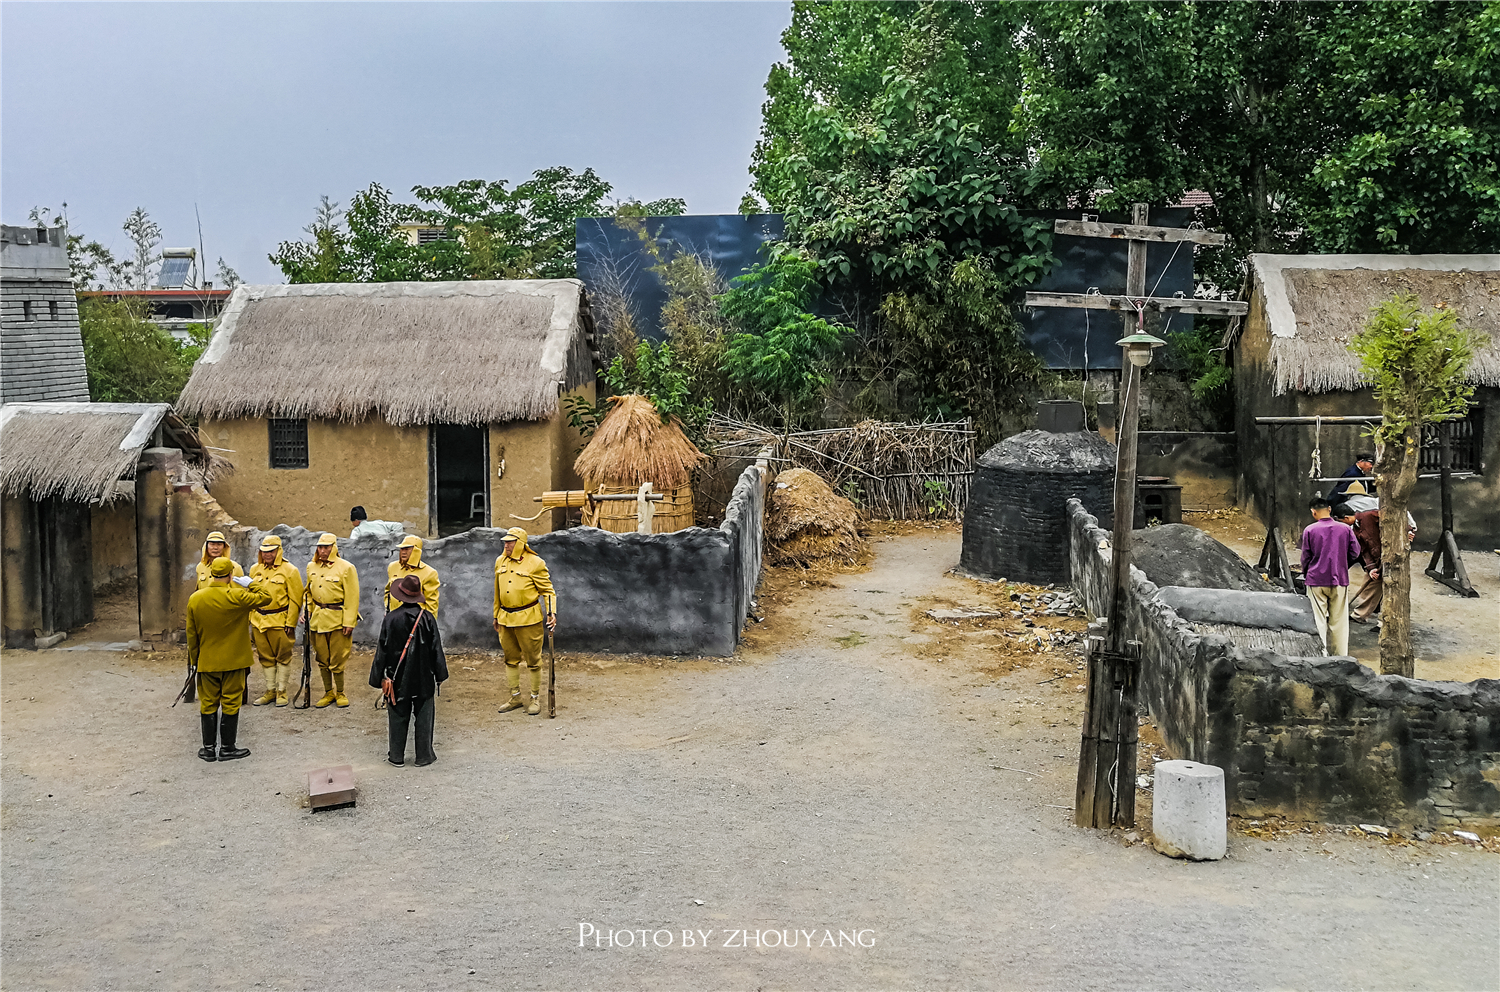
1188,815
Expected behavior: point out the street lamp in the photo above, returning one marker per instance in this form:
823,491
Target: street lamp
1138,348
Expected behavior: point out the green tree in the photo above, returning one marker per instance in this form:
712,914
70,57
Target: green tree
490,231
1418,362
130,359
1415,89
889,145
782,353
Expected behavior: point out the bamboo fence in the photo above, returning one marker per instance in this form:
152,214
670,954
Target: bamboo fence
892,471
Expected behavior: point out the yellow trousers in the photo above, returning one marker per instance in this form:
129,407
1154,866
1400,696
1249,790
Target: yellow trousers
332,649
273,645
523,644
226,689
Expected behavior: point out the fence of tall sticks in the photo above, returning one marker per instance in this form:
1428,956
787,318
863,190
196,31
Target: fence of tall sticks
890,471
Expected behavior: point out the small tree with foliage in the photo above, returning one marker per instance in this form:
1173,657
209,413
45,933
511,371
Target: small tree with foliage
130,359
1417,361
784,352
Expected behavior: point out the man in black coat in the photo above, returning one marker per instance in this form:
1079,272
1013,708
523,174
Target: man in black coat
410,656
1364,464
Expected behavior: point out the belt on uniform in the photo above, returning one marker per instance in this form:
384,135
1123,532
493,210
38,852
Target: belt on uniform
518,609
280,609
327,606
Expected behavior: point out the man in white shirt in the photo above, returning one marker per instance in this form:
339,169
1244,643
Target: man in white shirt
365,527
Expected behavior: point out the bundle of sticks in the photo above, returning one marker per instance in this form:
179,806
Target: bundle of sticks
895,471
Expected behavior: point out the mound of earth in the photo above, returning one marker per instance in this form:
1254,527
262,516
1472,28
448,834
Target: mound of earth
1183,555
808,522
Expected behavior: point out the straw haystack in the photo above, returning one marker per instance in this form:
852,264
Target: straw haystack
808,522
631,447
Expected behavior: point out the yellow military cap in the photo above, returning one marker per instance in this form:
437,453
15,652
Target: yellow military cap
327,539
270,543
410,541
515,534
221,568
215,535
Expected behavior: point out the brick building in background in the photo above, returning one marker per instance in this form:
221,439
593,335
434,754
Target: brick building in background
41,350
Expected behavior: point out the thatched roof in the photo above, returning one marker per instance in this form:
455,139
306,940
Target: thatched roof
633,446
413,352
1314,304
78,451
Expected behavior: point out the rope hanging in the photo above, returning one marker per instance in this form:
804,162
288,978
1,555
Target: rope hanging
1316,470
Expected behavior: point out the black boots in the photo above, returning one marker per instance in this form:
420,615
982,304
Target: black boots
228,727
210,722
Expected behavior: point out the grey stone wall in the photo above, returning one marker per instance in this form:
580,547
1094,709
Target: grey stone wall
41,355
1316,738
682,593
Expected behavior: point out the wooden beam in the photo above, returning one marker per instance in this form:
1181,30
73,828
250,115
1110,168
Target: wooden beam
1097,301
1137,232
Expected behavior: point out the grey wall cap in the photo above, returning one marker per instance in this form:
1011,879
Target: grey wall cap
1268,610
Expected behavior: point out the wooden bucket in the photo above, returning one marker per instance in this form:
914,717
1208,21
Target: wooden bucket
673,512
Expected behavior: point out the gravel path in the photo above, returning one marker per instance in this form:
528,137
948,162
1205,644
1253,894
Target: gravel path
807,786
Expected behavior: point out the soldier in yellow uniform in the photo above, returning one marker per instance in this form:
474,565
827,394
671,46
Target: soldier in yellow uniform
220,652
409,562
273,628
333,602
214,547
524,602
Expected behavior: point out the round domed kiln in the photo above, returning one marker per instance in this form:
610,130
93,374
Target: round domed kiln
1016,524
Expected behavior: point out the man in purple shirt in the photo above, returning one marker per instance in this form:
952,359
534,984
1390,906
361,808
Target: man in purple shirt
1328,548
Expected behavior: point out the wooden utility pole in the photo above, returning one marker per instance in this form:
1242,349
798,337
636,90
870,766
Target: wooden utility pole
1107,755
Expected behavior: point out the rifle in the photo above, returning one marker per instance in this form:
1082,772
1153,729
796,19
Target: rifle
551,669
189,686
304,691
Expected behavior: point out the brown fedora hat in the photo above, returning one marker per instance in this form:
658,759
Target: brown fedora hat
408,589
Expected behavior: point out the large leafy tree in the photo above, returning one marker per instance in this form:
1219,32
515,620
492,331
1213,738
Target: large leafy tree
491,230
899,178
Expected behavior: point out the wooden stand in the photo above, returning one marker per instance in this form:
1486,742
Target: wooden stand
1452,572
1105,795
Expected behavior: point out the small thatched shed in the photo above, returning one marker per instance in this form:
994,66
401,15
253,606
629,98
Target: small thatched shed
62,465
634,446
433,404
1292,359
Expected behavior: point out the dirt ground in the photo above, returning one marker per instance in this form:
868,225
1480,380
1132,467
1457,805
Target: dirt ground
859,773
1455,638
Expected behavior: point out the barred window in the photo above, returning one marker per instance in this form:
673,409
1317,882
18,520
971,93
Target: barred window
1464,441
288,444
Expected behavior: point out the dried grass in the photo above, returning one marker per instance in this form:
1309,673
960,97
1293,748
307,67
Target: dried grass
1332,305
633,446
72,451
891,471
415,353
807,521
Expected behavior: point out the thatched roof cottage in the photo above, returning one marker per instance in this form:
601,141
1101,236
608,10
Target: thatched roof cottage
1291,359
433,404
69,473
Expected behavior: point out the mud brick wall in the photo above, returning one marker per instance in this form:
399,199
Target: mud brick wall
686,592
1315,738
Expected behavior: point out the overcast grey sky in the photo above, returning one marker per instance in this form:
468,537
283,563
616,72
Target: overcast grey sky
253,110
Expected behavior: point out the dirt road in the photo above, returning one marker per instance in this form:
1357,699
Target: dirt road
858,776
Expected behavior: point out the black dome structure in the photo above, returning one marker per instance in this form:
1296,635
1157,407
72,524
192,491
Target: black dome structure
1016,524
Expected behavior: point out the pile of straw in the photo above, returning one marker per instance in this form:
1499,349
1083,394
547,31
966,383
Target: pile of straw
808,522
633,446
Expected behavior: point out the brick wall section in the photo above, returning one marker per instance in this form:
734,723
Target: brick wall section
1313,738
42,358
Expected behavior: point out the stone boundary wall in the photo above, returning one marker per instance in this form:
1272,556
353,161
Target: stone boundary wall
687,592
1311,738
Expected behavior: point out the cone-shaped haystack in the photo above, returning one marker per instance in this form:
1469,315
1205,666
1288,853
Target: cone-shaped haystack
633,446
